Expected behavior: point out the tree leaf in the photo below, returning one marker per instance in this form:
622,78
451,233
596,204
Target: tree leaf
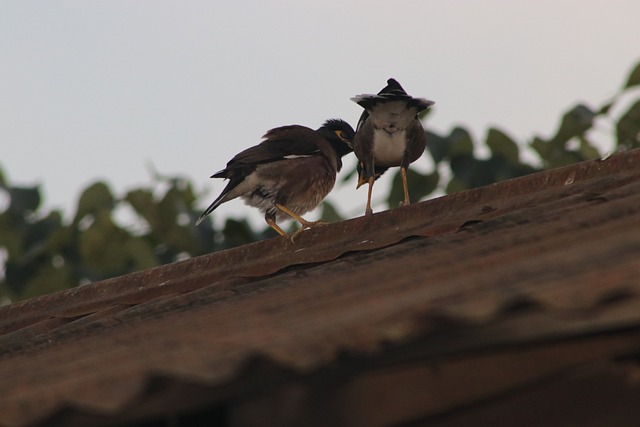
634,77
23,200
460,143
102,246
574,123
464,168
238,232
27,280
628,128
502,145
541,147
455,185
140,253
604,110
141,200
330,213
47,280
437,146
588,150
94,198
419,186
11,238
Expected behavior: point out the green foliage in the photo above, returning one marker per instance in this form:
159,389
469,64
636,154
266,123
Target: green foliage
43,253
556,152
420,185
628,129
94,199
457,150
330,213
634,77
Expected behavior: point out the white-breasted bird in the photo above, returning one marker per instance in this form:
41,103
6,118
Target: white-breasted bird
388,134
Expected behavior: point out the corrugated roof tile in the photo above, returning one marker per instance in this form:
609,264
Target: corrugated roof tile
545,256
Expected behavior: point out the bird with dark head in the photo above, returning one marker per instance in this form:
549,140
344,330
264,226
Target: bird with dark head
289,173
388,134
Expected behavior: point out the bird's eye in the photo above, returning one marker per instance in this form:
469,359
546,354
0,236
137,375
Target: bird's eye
342,135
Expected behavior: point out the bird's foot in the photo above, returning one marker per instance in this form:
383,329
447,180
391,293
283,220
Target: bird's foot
310,224
305,225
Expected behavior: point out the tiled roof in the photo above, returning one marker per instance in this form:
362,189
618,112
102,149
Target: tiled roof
549,263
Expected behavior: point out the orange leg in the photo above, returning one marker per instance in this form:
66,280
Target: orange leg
305,224
405,186
273,225
368,211
361,182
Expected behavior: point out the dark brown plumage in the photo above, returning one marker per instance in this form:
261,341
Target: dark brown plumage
388,134
289,173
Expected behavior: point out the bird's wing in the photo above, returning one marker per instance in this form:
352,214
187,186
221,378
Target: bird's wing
363,118
282,143
363,148
416,143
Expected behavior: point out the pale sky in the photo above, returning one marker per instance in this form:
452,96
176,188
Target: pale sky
99,89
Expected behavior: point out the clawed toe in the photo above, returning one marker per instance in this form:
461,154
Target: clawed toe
304,226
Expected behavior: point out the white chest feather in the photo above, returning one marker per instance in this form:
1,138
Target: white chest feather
389,148
390,121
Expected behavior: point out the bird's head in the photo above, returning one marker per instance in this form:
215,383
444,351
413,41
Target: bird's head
340,134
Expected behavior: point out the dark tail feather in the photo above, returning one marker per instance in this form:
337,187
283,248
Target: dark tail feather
217,202
224,173
233,183
393,89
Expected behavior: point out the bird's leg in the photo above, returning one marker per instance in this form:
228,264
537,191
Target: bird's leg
368,211
272,224
303,222
405,186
